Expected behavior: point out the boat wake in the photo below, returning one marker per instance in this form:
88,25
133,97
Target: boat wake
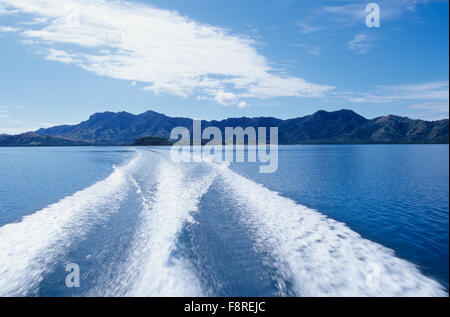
310,254
159,271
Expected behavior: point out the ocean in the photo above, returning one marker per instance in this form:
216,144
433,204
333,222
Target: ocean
344,220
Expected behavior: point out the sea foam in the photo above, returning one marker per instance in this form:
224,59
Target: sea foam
30,248
158,271
317,256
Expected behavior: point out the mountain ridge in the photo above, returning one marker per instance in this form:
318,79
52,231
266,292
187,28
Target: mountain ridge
33,139
337,127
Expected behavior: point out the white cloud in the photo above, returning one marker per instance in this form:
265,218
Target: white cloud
17,126
312,49
351,10
430,110
8,29
433,109
13,131
355,11
327,19
431,91
226,98
60,56
202,98
47,124
35,21
307,28
6,117
427,101
269,85
4,10
360,43
242,104
2,107
167,52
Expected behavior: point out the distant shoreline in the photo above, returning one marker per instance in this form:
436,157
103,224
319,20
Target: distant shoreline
133,145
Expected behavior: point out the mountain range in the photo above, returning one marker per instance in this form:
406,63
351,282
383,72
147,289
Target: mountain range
33,139
322,127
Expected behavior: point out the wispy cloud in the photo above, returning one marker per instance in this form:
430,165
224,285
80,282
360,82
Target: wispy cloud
5,10
7,118
428,100
351,11
10,125
311,49
48,124
431,91
354,11
13,131
8,29
60,56
432,110
165,51
361,43
3,107
308,28
326,19
35,21
329,20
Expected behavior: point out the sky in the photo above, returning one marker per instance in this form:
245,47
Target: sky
63,60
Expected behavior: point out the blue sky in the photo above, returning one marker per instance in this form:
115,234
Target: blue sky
62,60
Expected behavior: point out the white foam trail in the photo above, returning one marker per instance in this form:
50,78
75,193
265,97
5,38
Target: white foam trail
172,205
29,247
320,256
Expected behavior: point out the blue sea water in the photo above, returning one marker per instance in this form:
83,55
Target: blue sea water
349,220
